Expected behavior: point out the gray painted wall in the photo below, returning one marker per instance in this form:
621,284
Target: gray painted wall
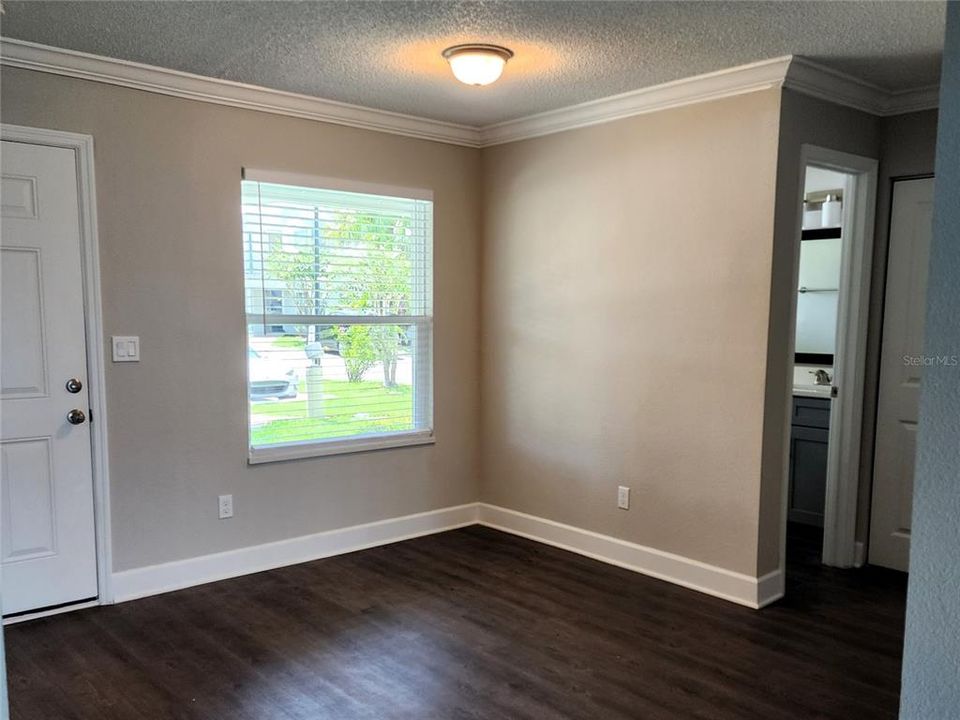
931,665
908,144
803,120
4,708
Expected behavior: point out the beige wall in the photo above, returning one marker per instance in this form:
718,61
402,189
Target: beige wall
626,280
168,184
628,331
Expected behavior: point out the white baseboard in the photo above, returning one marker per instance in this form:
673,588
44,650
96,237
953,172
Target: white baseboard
770,588
156,579
693,574
859,554
719,582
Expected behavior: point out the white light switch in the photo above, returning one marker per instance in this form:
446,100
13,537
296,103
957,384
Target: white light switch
126,348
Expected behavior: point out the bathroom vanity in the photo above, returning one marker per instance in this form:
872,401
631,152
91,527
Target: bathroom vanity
809,436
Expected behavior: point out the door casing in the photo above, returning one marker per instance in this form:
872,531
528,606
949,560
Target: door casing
846,419
82,147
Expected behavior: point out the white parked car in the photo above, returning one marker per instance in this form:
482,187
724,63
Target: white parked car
270,377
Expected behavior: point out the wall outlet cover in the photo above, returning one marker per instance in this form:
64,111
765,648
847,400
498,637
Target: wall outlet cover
623,497
226,506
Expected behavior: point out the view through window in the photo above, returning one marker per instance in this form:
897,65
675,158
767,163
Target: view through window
339,317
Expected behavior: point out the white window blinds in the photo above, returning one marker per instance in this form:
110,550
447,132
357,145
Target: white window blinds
339,304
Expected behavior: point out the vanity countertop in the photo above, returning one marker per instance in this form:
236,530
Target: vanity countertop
817,391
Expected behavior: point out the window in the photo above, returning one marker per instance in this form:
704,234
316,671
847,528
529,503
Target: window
339,303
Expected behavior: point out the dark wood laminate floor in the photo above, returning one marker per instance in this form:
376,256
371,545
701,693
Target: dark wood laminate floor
468,624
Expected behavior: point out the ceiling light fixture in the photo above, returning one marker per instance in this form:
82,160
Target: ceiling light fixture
477,64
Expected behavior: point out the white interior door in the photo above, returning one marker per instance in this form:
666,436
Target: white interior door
47,541
901,369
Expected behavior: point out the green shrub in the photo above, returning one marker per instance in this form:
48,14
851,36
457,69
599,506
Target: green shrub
357,350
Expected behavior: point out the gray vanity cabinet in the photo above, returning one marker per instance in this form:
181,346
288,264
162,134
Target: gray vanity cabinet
809,436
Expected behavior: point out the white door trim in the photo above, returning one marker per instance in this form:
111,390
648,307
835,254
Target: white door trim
846,417
82,146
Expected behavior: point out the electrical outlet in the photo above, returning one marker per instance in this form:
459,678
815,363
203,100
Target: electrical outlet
623,497
226,506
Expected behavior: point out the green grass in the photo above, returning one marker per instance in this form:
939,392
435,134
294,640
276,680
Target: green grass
348,409
289,341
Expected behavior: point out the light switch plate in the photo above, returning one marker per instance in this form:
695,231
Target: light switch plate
126,348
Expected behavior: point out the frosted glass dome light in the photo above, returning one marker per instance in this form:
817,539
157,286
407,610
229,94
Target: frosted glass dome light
477,64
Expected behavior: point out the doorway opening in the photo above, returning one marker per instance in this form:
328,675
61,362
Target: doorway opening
834,246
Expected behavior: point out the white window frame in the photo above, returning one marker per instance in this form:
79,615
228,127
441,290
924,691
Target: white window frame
423,380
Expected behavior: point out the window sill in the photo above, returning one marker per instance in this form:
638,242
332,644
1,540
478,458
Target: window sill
299,451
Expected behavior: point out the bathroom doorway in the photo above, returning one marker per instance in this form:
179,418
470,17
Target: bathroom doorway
834,251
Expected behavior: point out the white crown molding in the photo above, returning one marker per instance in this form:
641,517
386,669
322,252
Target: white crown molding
793,72
58,61
908,101
815,80
756,76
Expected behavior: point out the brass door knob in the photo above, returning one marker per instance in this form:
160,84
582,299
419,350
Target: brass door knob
76,416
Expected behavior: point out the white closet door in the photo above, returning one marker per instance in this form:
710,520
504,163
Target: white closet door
901,371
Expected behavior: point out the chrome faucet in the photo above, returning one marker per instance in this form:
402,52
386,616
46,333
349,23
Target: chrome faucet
821,377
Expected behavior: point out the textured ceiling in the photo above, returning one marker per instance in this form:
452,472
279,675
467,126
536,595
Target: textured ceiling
387,54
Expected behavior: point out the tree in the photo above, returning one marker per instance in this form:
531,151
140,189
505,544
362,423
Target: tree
303,268
358,262
297,270
377,281
357,350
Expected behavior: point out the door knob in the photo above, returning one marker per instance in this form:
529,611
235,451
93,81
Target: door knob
76,416
74,385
